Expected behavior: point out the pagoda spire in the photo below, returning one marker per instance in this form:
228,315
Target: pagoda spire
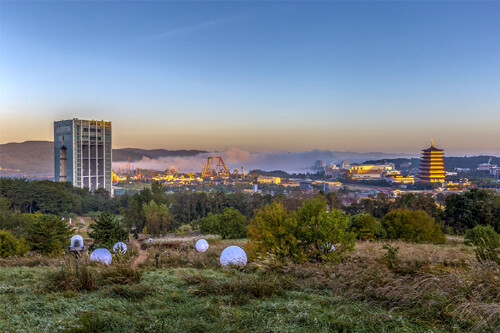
432,142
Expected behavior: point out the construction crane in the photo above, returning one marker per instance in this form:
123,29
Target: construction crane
214,167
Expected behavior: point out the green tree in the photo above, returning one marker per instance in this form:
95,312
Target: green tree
412,201
228,224
158,218
474,207
333,200
412,226
48,234
366,227
107,230
482,236
12,246
134,214
272,231
310,234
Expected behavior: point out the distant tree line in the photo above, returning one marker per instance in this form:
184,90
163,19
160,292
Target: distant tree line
154,211
47,197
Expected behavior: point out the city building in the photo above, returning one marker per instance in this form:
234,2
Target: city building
268,180
487,166
368,171
306,185
332,170
432,165
396,176
82,153
319,165
346,164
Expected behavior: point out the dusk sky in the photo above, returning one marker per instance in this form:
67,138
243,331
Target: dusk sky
260,76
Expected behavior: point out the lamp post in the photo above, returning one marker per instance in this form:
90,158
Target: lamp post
76,248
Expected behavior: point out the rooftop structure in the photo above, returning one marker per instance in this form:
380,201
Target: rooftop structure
432,165
82,153
268,180
368,171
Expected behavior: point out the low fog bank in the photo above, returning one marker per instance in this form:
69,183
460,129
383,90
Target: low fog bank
299,162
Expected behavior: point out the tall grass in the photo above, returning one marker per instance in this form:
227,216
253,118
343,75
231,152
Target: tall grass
440,288
90,276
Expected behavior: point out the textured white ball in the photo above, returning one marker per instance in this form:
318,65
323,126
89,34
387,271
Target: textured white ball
233,255
201,245
120,247
101,255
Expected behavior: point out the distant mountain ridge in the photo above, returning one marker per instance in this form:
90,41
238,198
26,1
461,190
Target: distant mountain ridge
35,159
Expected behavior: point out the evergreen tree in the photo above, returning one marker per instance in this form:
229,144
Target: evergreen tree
107,230
48,234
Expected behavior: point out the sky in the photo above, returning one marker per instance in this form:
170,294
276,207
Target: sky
260,76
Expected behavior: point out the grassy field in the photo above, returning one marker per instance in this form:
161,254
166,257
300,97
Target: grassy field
420,288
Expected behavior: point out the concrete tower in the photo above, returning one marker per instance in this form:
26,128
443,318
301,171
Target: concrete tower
82,153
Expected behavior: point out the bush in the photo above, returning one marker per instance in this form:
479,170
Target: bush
366,227
107,230
486,240
484,236
412,226
11,246
48,234
306,235
228,224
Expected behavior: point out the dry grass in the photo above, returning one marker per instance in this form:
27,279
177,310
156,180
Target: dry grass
433,283
176,254
441,284
32,259
184,239
91,276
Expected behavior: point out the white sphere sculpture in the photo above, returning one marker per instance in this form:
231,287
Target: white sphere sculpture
120,247
233,255
101,255
201,245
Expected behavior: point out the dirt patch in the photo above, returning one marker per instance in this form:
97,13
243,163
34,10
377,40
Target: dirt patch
142,254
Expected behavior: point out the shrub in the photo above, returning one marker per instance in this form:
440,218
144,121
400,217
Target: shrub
486,240
482,236
11,246
158,218
390,258
48,234
307,235
366,227
412,226
228,224
107,230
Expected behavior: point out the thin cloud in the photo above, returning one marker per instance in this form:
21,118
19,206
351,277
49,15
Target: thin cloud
186,30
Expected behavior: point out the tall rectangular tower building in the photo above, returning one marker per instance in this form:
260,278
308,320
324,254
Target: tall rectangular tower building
82,153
